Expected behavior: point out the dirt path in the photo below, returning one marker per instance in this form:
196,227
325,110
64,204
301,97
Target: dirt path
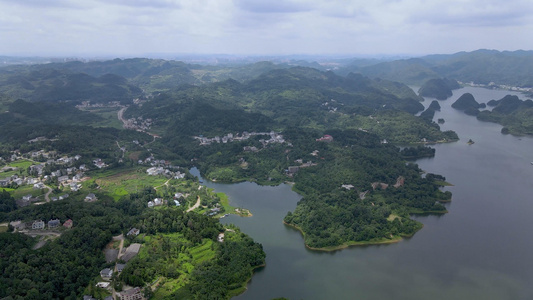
195,206
120,248
166,183
46,196
119,148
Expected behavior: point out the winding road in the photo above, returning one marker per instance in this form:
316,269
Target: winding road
47,195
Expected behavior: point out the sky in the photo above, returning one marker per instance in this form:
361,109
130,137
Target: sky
262,27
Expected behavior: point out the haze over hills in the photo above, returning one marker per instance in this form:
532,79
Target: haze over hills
482,66
332,132
513,68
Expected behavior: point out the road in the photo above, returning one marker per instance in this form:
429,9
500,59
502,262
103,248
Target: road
120,115
121,238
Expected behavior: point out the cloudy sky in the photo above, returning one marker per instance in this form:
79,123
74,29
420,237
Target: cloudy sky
355,27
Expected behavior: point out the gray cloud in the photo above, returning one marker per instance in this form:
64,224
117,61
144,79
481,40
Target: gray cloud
489,13
261,6
262,27
174,4
47,3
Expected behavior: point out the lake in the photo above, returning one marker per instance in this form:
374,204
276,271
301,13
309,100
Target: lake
481,249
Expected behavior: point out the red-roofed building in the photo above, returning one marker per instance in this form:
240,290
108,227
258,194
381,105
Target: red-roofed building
326,138
68,223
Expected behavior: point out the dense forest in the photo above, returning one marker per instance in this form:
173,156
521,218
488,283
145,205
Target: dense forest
64,267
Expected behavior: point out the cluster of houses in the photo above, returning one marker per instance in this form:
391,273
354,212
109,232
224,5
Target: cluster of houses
87,104
214,211
161,201
40,224
498,86
156,163
400,181
294,169
326,138
99,163
14,179
106,274
66,174
156,202
153,171
275,137
26,200
138,124
329,105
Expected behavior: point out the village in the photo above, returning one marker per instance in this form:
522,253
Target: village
40,168
38,171
275,137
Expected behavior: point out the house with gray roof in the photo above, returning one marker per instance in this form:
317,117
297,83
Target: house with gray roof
106,273
37,224
53,223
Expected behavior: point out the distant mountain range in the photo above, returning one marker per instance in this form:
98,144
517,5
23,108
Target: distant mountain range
513,68
481,67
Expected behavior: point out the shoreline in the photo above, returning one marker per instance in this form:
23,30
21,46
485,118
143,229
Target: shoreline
244,287
345,245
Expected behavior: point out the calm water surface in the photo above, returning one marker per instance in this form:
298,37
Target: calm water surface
481,249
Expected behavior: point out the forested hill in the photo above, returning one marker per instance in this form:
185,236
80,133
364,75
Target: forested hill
148,74
514,114
297,96
50,84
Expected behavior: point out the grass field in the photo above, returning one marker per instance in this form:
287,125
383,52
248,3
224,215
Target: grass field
203,252
28,189
108,114
392,217
120,183
184,262
23,164
17,166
